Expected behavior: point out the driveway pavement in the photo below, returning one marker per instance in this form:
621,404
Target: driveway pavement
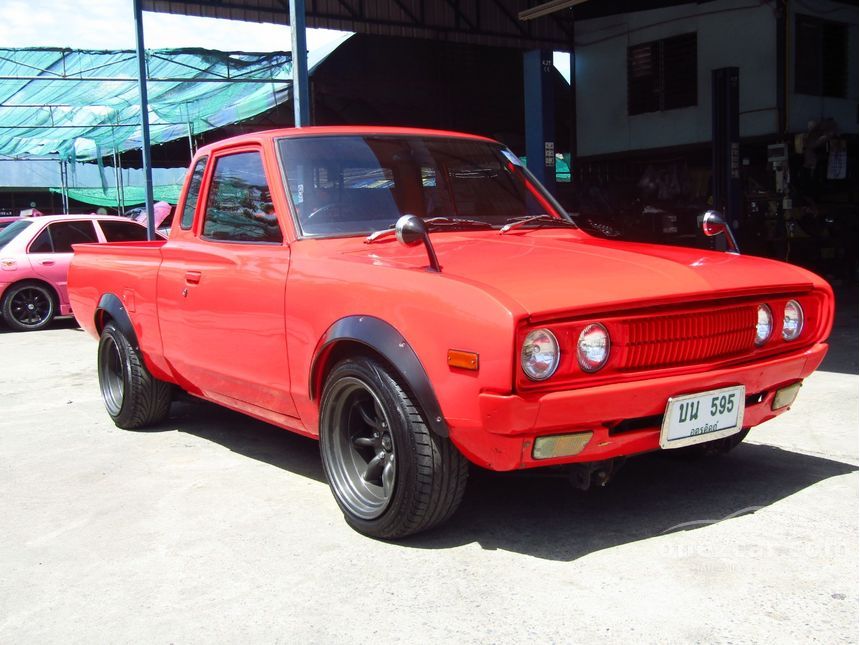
217,528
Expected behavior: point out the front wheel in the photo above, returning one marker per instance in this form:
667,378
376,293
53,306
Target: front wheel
133,397
391,476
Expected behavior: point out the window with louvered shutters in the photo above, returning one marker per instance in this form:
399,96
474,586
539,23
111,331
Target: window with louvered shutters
662,75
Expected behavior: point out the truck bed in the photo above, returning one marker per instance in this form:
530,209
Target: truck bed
127,269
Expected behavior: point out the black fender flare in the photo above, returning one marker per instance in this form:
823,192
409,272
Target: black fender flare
385,340
112,305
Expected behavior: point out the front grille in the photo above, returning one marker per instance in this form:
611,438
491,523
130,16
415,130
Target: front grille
685,338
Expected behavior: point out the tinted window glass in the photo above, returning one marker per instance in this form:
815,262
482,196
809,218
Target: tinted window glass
239,207
123,231
354,185
190,204
61,235
42,243
11,232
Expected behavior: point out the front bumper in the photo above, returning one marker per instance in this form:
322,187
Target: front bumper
625,418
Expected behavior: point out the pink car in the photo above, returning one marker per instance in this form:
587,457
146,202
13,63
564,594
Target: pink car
35,253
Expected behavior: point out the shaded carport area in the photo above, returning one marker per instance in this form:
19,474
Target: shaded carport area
537,31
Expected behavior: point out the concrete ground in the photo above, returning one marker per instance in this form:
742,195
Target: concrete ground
217,528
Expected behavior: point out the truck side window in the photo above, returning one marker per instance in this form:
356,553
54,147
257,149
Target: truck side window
190,205
239,208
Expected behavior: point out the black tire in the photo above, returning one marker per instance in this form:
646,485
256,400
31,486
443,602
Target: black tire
391,476
713,448
133,397
29,306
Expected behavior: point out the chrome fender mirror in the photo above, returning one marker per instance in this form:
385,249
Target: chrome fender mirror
411,230
713,224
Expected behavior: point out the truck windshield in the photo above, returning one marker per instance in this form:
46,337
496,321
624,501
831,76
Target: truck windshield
352,185
11,232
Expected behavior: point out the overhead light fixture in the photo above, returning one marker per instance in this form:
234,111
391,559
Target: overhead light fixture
547,8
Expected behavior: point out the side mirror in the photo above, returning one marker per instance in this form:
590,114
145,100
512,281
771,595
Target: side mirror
713,224
411,230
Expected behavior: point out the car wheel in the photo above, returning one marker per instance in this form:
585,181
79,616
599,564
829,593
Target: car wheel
134,398
391,476
713,448
29,306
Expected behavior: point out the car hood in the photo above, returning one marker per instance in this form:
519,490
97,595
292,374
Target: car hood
550,271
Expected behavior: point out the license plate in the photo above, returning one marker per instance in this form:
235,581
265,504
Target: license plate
696,418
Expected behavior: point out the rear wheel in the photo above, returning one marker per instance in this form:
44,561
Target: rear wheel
133,397
390,475
29,306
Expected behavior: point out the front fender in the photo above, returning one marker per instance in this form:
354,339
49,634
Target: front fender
385,340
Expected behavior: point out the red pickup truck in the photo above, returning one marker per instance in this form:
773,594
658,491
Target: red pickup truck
416,301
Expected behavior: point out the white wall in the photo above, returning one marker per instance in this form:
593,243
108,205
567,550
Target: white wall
731,33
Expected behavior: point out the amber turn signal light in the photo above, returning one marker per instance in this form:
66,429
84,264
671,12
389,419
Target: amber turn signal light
785,396
463,360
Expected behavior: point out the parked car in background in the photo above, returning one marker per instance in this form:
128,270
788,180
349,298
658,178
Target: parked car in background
35,253
6,220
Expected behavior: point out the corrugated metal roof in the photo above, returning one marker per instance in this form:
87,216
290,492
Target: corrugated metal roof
480,22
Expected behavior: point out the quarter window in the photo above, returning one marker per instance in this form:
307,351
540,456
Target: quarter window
59,237
190,205
239,208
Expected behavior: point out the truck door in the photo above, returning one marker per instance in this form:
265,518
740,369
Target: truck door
221,288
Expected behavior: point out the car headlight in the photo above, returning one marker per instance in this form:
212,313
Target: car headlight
763,325
540,354
792,322
592,348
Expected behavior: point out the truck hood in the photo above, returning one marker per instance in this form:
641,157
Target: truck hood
550,271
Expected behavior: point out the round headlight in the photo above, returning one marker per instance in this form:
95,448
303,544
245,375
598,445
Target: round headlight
792,322
592,348
763,325
539,357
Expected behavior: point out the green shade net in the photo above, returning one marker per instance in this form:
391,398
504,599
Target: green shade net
64,114
131,195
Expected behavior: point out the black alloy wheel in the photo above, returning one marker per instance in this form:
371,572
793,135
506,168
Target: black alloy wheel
364,462
29,307
390,475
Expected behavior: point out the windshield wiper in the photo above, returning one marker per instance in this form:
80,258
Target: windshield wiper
385,232
437,223
538,220
456,222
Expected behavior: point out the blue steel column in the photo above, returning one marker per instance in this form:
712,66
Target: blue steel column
144,119
540,115
301,99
